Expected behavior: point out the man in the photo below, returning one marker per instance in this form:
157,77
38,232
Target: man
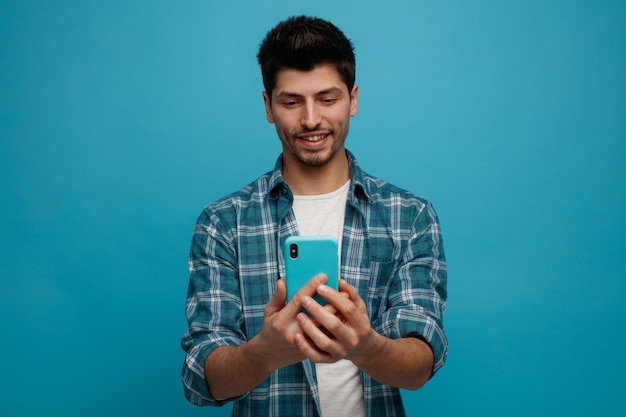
383,329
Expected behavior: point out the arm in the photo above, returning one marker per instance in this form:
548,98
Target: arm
222,361
405,344
404,363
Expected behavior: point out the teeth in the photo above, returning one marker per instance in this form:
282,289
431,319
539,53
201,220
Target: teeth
315,138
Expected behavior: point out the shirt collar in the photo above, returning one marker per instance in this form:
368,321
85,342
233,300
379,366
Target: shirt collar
359,186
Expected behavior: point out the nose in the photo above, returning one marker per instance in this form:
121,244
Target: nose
311,117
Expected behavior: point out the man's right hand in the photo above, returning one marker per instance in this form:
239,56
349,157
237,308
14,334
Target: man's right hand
231,371
280,325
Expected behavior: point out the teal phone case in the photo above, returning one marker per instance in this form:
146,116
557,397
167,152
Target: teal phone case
315,255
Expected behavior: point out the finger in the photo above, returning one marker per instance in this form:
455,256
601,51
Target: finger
352,293
310,351
330,324
344,286
277,302
351,312
312,303
348,289
309,289
341,301
315,344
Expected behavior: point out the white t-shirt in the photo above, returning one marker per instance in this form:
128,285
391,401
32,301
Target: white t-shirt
340,386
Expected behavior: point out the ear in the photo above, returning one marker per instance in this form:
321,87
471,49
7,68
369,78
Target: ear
354,100
268,107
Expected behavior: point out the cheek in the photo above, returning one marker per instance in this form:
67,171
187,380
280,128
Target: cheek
285,124
282,128
340,122
340,117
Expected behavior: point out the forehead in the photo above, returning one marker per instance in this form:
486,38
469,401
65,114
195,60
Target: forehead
321,78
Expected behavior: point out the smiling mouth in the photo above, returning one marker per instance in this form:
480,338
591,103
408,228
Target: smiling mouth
313,138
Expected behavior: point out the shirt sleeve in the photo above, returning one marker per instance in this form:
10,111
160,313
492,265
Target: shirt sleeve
213,306
417,292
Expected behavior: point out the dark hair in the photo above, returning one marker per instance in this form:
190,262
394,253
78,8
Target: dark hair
302,43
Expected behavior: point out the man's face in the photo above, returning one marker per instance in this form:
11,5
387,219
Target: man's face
311,111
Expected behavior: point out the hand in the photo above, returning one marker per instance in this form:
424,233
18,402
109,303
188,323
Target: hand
231,371
328,335
277,340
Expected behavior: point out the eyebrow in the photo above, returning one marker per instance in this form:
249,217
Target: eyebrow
330,90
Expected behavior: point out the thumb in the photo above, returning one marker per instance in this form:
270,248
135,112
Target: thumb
277,302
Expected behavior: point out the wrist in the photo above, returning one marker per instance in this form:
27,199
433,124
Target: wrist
369,350
259,355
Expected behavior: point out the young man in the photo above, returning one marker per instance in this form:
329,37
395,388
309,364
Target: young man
383,329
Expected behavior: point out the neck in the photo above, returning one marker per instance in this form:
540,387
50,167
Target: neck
316,180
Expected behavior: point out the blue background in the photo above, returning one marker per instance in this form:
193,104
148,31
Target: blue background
120,120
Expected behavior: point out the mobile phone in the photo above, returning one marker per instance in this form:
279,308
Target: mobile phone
308,256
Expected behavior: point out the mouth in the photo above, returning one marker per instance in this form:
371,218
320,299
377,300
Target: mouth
313,138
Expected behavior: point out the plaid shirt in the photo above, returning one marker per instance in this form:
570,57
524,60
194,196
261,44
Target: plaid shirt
392,253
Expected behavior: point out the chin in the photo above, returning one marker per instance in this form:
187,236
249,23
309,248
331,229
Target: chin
315,159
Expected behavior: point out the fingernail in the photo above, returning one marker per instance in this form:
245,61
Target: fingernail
305,301
322,289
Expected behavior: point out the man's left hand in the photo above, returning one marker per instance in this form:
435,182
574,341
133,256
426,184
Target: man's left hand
329,337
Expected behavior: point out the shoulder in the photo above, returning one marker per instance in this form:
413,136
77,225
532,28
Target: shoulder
377,192
227,207
382,192
402,210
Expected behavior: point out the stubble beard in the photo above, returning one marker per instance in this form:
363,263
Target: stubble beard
315,158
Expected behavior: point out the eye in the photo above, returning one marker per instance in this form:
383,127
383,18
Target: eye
327,101
290,103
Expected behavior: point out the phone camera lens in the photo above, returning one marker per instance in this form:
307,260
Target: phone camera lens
293,251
